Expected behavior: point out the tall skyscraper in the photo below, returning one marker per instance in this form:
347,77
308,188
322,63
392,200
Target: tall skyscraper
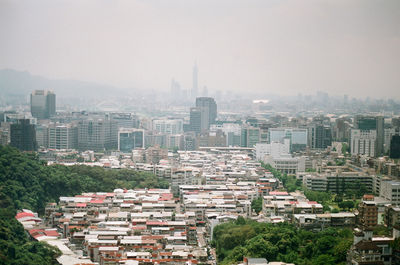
43,104
250,136
195,120
23,135
195,81
370,123
363,142
208,112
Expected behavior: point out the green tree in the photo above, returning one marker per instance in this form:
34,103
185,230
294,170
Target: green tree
256,204
27,182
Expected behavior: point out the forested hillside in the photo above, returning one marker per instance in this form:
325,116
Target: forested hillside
26,182
280,242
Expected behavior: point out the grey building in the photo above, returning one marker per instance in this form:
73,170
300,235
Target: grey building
97,135
43,104
371,123
208,111
319,136
62,136
130,139
195,120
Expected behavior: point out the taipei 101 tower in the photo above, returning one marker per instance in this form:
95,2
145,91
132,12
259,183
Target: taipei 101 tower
195,82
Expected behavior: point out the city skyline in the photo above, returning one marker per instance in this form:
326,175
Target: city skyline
283,47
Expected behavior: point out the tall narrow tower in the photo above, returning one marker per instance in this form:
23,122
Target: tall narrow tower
195,81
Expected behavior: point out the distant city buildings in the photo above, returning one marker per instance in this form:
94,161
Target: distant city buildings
195,120
168,126
97,135
250,136
298,137
208,112
43,104
367,125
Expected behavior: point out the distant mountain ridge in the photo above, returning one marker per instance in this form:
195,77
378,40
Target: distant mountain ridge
15,83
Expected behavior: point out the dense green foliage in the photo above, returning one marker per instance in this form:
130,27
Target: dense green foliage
256,204
321,197
318,196
381,230
26,182
346,205
289,182
30,184
15,247
280,242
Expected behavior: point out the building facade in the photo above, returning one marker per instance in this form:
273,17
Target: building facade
208,112
130,139
23,135
43,104
97,135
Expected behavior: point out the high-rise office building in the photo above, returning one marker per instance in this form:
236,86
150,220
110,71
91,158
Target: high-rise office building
370,123
341,130
168,126
208,112
23,135
62,136
130,139
319,136
363,142
97,135
125,120
232,131
43,104
395,147
175,141
195,81
389,132
195,120
396,122
250,136
42,135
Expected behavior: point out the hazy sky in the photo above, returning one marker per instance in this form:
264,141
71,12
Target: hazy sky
287,46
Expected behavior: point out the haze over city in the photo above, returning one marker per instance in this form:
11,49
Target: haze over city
200,132
274,47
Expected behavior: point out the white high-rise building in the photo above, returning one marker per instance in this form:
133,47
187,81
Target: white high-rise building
62,136
363,142
274,149
168,126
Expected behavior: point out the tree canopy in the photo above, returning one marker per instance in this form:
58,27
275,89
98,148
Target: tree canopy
282,242
27,182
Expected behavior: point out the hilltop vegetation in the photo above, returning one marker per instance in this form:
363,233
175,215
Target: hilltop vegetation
282,242
26,182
